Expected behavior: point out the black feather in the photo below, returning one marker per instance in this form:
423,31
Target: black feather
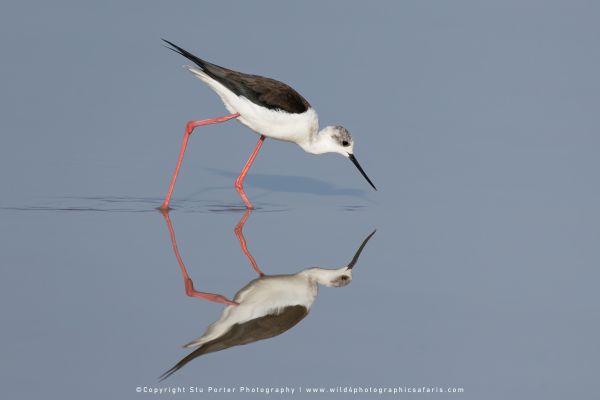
260,328
265,92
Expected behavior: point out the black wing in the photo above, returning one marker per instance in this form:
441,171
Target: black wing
265,92
252,331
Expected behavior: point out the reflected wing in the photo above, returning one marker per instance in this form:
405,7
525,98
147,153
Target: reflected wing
254,330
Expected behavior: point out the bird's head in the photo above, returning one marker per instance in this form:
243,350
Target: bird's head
341,278
337,277
330,277
337,139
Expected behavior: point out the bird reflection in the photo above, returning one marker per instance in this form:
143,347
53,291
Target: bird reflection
266,307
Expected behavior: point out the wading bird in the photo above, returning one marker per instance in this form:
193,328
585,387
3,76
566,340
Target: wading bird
268,107
265,307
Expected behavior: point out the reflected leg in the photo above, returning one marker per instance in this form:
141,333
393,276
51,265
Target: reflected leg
239,233
189,284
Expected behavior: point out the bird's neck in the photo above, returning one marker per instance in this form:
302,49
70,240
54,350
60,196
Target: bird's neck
315,143
322,276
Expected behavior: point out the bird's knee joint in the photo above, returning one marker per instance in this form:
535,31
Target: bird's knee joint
189,127
189,287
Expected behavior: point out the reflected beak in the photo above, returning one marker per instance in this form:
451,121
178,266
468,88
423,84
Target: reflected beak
355,161
360,249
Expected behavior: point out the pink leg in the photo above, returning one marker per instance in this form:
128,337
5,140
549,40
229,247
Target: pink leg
240,179
239,233
189,284
188,131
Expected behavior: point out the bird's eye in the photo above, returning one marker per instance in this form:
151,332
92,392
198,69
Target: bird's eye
345,143
344,278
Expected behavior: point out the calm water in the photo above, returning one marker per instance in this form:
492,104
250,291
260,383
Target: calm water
477,123
94,302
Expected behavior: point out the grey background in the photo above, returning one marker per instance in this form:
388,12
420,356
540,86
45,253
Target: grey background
478,121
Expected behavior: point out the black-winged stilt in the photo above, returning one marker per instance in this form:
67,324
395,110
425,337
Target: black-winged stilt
266,307
268,107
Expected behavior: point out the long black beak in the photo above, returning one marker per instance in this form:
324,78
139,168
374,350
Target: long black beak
360,249
355,161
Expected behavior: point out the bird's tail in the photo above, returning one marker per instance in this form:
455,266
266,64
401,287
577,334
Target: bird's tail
198,72
196,60
196,353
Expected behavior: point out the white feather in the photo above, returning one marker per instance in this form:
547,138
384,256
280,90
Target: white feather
268,295
275,124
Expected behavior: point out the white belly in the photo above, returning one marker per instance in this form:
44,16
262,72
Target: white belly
279,125
261,297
